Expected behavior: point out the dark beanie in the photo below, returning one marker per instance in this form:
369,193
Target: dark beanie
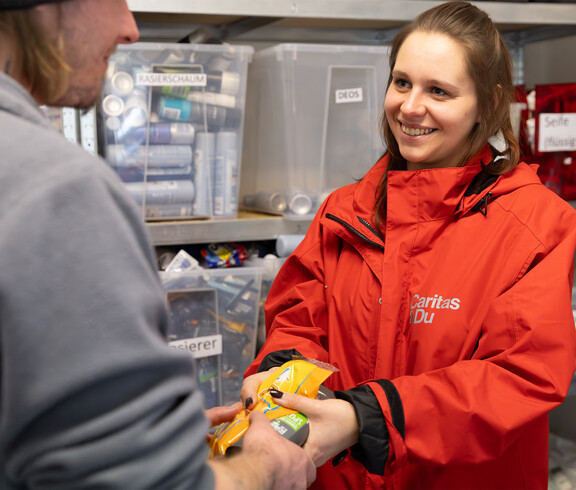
22,4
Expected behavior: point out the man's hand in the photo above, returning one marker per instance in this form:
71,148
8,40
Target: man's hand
290,465
219,415
267,461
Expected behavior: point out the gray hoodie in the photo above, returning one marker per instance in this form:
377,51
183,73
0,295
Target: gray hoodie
91,396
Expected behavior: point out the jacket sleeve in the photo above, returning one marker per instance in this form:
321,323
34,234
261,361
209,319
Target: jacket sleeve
295,308
92,396
521,369
373,447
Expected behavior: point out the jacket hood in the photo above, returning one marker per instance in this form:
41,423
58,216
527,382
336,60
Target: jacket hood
14,99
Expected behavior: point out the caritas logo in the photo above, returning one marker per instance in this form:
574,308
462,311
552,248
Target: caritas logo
423,308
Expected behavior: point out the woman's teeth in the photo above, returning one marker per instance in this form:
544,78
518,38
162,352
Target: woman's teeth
415,131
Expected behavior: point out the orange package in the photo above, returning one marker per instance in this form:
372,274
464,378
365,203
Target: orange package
300,376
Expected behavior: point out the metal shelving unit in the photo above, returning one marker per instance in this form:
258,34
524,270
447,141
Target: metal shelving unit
518,12
329,21
373,21
248,226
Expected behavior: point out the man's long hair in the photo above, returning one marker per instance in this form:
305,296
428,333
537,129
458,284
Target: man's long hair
37,60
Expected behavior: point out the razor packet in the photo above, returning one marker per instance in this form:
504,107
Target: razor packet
301,376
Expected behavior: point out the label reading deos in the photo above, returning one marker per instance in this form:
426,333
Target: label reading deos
348,95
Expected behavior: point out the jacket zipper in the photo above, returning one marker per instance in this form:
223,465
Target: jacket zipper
370,227
356,232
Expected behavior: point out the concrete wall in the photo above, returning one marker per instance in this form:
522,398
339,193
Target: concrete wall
552,61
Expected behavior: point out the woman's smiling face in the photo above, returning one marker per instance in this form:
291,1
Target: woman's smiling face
431,104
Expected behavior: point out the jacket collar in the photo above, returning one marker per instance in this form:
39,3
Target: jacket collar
415,197
421,195
427,195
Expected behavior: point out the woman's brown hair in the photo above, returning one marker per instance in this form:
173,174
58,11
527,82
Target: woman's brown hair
37,61
489,65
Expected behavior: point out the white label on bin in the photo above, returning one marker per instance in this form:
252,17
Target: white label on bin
171,79
349,95
557,132
210,345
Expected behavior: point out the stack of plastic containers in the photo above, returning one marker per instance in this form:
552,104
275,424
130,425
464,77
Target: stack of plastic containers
214,317
172,118
312,123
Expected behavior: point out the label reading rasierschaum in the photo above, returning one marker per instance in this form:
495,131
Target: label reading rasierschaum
348,95
171,79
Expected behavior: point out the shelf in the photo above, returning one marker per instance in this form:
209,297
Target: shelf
248,226
324,20
512,13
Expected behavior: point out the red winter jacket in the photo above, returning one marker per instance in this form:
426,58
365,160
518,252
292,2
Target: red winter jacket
458,323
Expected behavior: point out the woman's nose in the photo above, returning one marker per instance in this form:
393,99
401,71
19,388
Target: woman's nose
413,104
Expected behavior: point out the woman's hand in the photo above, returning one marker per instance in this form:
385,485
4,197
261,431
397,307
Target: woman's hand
249,391
333,424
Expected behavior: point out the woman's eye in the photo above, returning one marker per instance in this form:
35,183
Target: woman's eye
401,83
438,91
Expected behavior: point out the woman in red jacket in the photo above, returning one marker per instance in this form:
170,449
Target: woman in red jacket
439,285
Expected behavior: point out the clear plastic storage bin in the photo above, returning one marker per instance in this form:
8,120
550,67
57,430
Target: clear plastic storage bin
312,123
171,120
214,317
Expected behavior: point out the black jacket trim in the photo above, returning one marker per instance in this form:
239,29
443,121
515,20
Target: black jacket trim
373,447
277,358
356,232
480,182
395,403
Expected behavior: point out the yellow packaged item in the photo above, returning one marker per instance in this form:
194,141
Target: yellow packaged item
300,376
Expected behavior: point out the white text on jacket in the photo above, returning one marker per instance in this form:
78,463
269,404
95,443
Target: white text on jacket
422,307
